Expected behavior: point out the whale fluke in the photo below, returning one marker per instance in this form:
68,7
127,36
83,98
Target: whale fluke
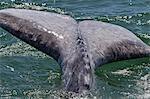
79,47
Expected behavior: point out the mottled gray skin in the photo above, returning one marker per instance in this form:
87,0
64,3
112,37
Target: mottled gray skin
77,47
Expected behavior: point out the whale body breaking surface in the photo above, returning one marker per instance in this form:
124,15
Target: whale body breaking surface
78,47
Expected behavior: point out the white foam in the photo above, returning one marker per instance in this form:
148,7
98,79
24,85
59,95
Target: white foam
122,72
11,68
13,0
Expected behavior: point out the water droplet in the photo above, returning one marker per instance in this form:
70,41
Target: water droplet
130,2
12,0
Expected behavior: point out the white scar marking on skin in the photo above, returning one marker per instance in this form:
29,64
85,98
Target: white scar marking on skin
70,73
51,32
87,79
64,17
45,29
87,66
39,26
57,35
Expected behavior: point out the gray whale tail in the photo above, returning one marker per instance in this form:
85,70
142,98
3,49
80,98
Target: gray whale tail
78,47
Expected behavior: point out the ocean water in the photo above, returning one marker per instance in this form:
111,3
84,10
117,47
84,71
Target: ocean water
26,73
